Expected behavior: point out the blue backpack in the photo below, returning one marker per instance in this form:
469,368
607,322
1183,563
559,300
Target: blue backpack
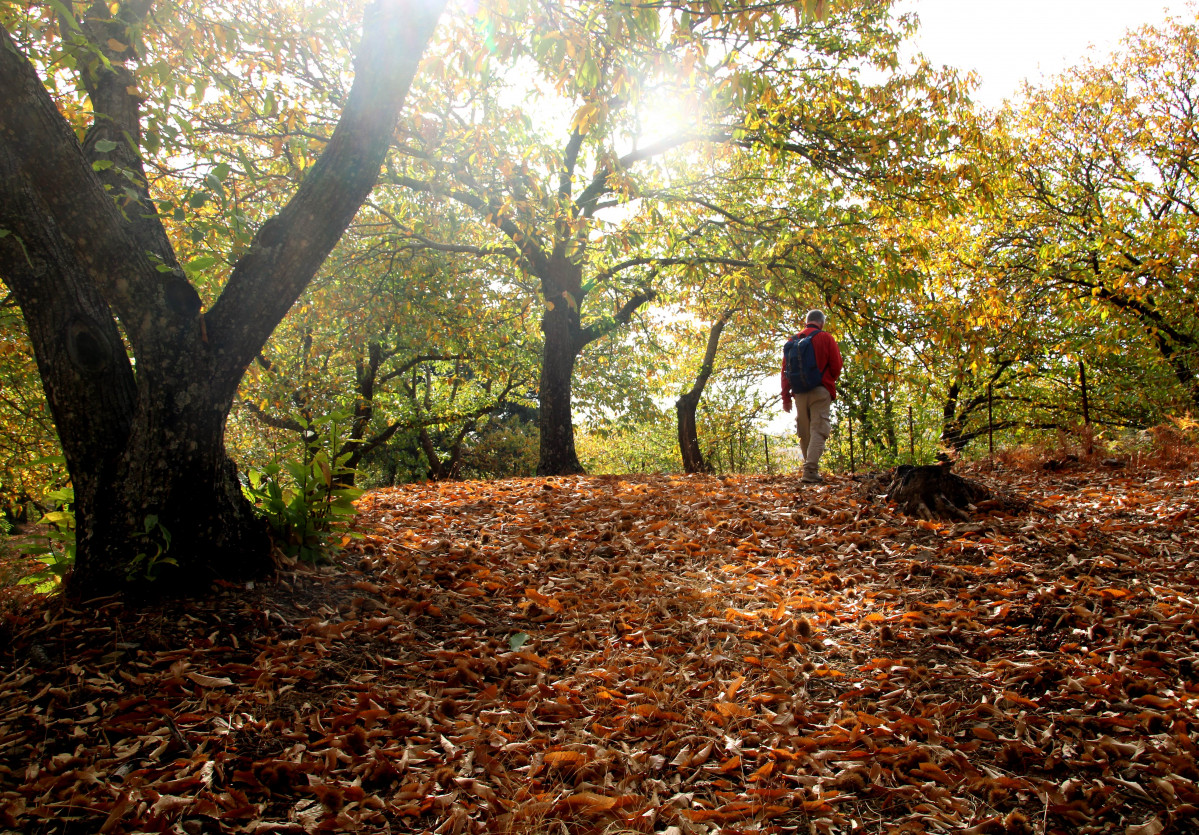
799,358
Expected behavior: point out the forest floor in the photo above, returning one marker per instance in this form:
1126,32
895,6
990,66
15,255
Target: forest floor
645,654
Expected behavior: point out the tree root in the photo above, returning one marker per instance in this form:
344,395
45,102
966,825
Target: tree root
934,492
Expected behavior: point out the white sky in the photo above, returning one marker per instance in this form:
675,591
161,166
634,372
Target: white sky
1007,41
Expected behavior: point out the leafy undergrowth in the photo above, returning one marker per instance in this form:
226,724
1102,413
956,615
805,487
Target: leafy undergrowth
687,655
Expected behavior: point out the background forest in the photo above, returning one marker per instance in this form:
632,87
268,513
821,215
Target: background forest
598,222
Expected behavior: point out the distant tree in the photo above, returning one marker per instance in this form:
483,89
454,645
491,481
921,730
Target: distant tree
688,402
402,343
1103,202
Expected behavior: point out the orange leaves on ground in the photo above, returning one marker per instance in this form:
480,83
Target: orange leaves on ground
683,654
563,759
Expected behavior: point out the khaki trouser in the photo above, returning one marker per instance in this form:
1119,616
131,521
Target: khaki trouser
812,423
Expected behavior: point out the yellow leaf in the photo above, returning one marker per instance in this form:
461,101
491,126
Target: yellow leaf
816,8
116,46
585,118
534,658
762,773
934,771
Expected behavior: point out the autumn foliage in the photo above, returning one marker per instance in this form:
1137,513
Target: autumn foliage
683,654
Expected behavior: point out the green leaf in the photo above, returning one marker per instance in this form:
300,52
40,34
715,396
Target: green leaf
64,12
518,640
66,494
105,145
246,165
201,263
102,165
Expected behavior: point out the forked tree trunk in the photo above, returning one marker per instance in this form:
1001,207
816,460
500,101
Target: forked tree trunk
440,470
156,494
688,404
958,412
565,339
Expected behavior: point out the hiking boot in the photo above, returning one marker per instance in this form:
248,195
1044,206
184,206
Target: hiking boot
811,475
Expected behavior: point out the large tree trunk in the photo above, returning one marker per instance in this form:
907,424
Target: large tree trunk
146,452
687,405
173,494
564,339
560,325
156,494
693,456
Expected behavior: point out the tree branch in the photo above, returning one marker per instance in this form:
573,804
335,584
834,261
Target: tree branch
623,316
709,361
415,361
571,159
489,210
290,247
267,419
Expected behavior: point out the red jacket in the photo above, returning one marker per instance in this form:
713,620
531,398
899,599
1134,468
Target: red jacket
828,357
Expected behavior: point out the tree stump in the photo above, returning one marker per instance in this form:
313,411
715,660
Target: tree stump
934,492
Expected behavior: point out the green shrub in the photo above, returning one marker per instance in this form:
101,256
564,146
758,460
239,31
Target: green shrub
55,547
307,501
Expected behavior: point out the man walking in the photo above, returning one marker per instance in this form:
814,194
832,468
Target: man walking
811,365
